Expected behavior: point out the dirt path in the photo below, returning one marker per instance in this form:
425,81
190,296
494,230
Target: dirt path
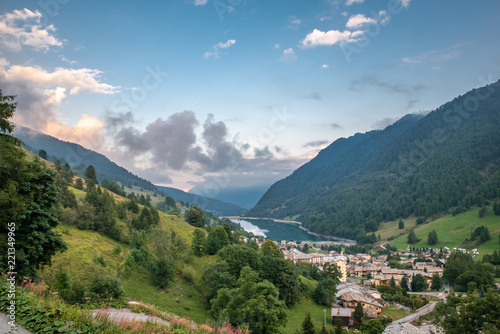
126,315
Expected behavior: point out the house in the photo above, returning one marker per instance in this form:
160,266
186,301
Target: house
350,295
344,314
408,328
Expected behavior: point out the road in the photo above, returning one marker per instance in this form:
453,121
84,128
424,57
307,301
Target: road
5,327
424,310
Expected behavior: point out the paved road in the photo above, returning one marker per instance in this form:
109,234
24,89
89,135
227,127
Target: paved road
424,310
5,327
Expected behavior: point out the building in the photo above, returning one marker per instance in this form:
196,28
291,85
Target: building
350,295
341,262
344,314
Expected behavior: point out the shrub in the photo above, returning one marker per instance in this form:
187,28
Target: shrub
163,271
103,286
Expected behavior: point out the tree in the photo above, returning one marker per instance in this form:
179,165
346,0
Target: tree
252,302
43,154
358,314
482,212
79,183
307,325
393,283
457,264
324,293
90,174
436,283
196,217
199,241
374,326
418,283
496,208
270,248
338,326
432,238
404,283
412,238
28,196
401,224
216,240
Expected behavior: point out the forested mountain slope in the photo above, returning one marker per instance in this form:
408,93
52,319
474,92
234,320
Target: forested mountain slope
418,166
79,157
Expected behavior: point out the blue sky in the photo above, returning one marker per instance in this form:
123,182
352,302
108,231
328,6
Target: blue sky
230,93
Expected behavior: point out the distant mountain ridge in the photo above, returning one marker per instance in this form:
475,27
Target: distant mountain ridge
79,157
420,165
214,206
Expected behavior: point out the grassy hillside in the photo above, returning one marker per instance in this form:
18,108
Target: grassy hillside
452,231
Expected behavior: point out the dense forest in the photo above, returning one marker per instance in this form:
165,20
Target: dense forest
421,165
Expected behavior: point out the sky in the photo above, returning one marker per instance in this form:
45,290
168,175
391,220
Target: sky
225,94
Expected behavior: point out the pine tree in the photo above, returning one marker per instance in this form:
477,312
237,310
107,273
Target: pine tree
358,313
307,325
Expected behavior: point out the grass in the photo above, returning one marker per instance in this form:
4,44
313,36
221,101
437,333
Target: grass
297,313
395,313
452,231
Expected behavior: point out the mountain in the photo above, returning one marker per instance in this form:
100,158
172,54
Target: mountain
214,206
420,165
246,197
79,157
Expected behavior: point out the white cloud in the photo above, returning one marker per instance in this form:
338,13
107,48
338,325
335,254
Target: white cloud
344,13
439,55
276,46
24,28
76,80
200,2
384,16
4,62
331,37
325,66
405,3
294,22
358,21
217,47
71,62
352,2
288,56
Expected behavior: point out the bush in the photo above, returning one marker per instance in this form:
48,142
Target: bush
163,271
188,273
103,286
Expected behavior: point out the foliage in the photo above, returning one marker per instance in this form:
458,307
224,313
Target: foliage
216,240
471,314
375,326
270,248
307,325
418,283
456,264
28,195
401,225
358,314
199,242
436,283
252,302
412,238
163,271
195,217
91,174
432,238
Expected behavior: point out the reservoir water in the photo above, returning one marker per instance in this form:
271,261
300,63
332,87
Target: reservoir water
277,231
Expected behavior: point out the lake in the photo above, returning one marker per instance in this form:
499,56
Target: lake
277,231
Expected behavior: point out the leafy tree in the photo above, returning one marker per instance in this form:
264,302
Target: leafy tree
369,275
284,276
169,201
195,217
436,283
216,240
324,293
473,314
270,248
401,224
457,264
307,325
412,238
253,245
216,277
252,302
43,154
482,212
163,270
374,326
418,283
239,256
358,314
432,238
199,241
28,195
91,174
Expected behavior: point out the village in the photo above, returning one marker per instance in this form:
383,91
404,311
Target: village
361,274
